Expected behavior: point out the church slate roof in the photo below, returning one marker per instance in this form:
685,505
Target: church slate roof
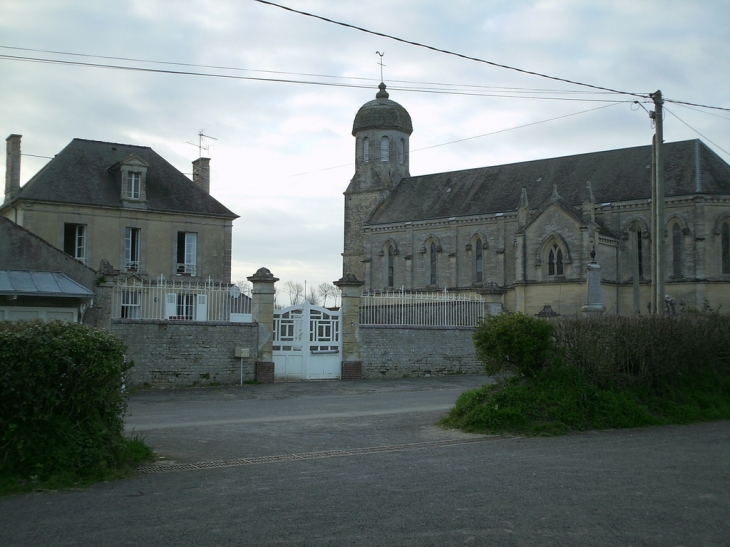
81,174
615,175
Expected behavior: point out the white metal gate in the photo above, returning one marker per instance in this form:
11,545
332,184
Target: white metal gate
307,343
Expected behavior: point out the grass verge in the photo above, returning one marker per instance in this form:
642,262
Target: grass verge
129,453
560,400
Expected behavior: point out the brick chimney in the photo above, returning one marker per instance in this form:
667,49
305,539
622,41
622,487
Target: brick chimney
12,167
201,173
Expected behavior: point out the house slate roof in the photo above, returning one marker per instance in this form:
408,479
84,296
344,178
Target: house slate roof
32,283
615,175
81,174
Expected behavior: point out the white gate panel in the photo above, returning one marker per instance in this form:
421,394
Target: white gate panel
307,343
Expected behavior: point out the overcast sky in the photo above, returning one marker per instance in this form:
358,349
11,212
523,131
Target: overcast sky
284,151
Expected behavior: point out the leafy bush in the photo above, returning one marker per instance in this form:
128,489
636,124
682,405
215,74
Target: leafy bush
613,371
643,349
514,341
62,404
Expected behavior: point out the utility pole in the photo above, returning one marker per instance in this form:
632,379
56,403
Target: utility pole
658,265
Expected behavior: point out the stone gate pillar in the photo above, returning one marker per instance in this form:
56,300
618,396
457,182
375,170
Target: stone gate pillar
351,289
262,312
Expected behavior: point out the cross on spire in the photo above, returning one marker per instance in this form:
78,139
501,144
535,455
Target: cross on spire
381,64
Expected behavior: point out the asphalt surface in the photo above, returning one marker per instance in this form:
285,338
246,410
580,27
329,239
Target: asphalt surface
361,463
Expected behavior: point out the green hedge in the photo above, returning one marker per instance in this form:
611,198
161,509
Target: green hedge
62,404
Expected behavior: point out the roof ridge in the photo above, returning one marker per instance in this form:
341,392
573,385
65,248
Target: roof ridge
115,143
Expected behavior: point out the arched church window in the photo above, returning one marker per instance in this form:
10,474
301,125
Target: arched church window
401,151
366,150
676,250
479,260
384,149
433,260
555,260
391,267
725,247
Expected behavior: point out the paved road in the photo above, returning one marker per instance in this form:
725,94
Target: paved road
360,463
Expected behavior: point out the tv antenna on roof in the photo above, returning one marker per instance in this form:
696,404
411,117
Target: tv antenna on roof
381,64
200,146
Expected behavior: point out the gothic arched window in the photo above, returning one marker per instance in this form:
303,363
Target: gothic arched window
391,267
384,149
555,260
639,254
479,260
725,247
676,250
366,150
433,260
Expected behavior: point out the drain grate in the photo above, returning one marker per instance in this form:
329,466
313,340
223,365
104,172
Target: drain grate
215,464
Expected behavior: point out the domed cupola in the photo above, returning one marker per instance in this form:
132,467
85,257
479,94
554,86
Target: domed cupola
381,128
382,113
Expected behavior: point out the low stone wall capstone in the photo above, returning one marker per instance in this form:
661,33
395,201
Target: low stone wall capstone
189,353
397,351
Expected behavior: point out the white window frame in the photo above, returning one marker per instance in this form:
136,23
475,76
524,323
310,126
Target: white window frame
189,253
131,305
132,241
134,185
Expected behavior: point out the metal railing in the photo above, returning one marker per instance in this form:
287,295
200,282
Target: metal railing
179,300
420,309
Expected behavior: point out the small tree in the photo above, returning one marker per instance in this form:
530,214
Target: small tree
312,297
328,290
514,341
295,292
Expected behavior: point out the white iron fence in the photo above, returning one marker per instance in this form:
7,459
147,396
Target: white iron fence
426,309
178,300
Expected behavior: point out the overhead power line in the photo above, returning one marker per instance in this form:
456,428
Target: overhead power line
477,59
283,80
447,52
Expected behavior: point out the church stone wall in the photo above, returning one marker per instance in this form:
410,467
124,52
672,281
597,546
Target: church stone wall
396,351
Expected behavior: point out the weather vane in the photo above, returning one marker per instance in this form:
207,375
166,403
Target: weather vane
381,64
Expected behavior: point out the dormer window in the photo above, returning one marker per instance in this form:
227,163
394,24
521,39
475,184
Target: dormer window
131,172
134,184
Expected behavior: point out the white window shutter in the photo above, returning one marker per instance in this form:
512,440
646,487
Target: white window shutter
170,305
201,309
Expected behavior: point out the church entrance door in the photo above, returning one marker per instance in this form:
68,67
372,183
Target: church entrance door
307,343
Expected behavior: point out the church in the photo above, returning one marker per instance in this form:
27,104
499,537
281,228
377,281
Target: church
523,234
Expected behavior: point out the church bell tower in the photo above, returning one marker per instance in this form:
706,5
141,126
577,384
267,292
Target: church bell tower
381,129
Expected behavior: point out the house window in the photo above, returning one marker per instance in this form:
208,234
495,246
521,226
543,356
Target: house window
185,306
187,248
555,260
391,267
131,248
74,241
433,261
366,150
725,247
131,308
384,149
479,261
134,184
676,250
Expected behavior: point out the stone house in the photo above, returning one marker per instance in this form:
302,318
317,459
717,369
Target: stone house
522,234
123,210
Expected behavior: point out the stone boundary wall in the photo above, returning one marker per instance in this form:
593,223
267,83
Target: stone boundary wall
189,353
395,351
